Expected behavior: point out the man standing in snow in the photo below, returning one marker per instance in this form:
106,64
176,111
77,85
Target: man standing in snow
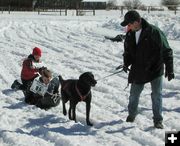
146,50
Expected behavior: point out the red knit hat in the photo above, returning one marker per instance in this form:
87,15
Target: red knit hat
37,51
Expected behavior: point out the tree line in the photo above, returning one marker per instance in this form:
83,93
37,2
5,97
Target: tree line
137,4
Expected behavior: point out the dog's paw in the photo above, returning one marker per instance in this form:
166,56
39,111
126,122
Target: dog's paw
89,123
64,112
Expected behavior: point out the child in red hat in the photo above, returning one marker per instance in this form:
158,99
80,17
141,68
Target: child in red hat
29,72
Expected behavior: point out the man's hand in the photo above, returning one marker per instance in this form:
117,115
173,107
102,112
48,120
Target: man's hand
170,76
41,69
125,68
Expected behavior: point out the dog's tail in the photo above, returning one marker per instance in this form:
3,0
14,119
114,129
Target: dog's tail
61,79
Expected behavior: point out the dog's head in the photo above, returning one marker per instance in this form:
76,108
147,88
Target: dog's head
88,78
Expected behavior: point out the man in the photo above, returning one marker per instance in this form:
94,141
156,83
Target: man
146,50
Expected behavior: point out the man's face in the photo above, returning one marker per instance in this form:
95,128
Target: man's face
135,26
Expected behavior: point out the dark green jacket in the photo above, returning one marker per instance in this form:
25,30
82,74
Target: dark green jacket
148,57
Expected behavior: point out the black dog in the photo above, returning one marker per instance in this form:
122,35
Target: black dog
76,91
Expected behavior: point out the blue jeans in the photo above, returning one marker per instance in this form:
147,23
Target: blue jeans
156,97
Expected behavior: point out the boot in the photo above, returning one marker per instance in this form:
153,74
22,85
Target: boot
158,125
130,119
15,85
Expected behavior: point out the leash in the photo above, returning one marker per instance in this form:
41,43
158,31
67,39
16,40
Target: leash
110,75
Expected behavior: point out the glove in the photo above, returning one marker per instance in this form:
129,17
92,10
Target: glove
125,68
41,69
170,76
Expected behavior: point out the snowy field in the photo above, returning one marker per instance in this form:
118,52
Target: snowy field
72,45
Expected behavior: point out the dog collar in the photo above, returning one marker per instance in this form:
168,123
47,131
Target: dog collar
83,97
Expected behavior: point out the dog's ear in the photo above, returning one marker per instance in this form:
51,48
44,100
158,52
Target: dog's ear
86,75
88,78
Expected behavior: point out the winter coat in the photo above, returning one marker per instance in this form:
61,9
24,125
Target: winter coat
50,99
147,58
28,71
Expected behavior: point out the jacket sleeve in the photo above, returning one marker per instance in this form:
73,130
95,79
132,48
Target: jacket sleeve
29,66
166,51
126,55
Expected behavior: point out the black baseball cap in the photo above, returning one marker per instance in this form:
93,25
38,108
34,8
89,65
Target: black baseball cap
130,17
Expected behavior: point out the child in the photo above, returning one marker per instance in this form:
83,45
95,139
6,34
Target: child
44,91
29,71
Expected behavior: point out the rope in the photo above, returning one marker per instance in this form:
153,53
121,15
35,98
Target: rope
110,75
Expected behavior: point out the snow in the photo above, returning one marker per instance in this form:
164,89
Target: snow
72,45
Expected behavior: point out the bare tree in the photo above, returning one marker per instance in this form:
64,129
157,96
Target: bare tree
170,4
132,4
136,4
112,4
128,3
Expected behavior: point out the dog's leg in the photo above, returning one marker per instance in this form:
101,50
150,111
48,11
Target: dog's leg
70,110
74,112
64,101
64,108
88,107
